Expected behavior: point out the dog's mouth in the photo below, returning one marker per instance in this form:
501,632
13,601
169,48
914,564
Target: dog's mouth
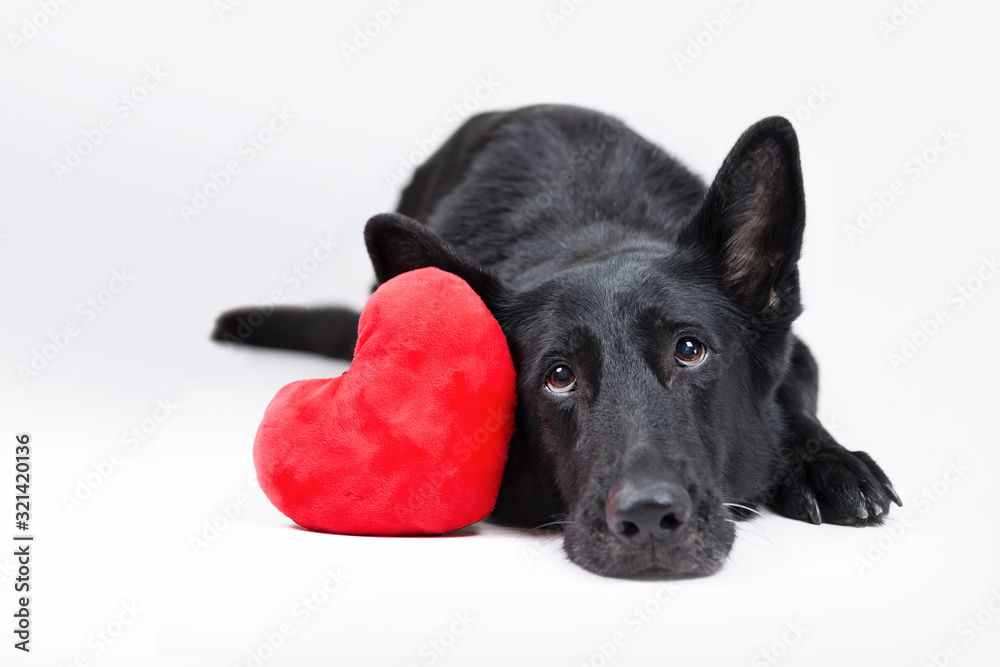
653,532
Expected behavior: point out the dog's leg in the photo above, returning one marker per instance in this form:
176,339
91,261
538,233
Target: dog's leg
331,332
821,480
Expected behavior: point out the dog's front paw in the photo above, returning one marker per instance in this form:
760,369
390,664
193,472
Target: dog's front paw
835,486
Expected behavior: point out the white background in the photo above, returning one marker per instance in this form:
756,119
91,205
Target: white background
890,595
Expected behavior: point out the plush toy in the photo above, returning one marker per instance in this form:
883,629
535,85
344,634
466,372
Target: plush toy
412,439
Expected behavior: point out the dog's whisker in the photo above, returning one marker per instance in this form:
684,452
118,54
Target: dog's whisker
754,530
748,530
550,524
744,507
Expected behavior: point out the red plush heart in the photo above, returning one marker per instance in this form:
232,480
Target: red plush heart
412,439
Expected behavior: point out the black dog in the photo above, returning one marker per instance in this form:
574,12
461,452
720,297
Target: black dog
660,392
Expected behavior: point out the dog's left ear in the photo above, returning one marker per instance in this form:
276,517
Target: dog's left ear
397,244
752,219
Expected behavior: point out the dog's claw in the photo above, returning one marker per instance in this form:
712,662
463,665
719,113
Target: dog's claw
814,514
892,494
836,486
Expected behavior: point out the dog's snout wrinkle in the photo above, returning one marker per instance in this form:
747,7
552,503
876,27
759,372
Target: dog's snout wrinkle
641,513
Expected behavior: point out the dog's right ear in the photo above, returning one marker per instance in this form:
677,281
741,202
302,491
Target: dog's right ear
397,244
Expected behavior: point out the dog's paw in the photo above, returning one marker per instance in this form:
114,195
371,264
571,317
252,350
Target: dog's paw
836,486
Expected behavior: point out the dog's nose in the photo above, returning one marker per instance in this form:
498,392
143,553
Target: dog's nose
638,513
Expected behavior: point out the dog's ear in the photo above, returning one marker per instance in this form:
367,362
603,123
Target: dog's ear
752,219
397,244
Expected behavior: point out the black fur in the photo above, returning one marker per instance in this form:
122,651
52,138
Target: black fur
328,331
597,251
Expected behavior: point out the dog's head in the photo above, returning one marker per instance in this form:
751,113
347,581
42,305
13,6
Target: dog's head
646,377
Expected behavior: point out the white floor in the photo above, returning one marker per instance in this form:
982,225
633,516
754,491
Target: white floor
169,554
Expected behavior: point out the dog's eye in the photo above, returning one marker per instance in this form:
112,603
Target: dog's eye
561,379
689,351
